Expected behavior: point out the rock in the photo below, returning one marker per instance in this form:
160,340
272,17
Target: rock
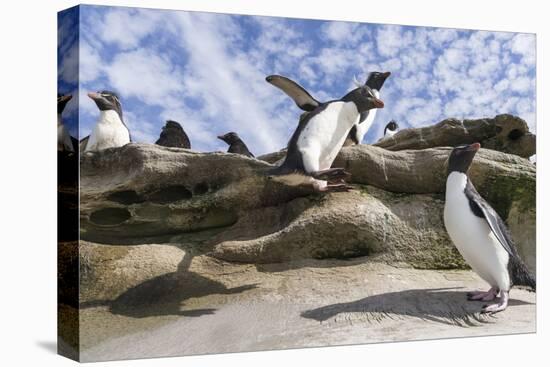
505,133
395,228
273,157
140,194
106,272
310,303
142,190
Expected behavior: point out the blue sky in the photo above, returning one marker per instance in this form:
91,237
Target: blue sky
207,71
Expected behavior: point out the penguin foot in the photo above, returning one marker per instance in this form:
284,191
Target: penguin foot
331,174
497,307
490,295
337,188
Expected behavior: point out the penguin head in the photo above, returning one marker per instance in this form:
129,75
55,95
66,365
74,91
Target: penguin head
172,125
106,100
461,158
364,99
62,100
392,125
230,137
376,79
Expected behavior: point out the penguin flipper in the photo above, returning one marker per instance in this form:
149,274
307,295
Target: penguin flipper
363,116
186,141
74,143
301,97
481,208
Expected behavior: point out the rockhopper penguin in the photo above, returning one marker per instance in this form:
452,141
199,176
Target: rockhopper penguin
64,140
306,102
318,139
236,145
480,235
110,130
173,135
391,129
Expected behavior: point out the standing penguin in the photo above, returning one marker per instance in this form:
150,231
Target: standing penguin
110,130
318,139
173,135
391,129
306,102
236,145
64,139
480,235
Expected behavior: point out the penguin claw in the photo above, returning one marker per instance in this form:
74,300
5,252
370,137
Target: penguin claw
339,188
332,174
482,296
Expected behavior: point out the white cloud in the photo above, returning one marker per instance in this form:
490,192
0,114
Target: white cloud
233,90
347,33
141,130
126,27
390,39
211,79
455,58
91,65
442,35
525,45
145,75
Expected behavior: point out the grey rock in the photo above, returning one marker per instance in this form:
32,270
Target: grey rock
505,133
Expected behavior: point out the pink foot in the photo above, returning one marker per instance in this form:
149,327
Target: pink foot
336,188
496,307
490,295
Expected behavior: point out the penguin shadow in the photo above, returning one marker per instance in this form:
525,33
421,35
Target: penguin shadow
442,305
166,294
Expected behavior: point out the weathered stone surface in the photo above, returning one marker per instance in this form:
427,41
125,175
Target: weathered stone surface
367,221
505,133
301,304
501,178
140,190
143,190
177,234
106,271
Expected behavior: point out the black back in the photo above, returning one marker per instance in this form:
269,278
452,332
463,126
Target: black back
519,273
375,80
461,158
62,100
236,145
173,135
293,160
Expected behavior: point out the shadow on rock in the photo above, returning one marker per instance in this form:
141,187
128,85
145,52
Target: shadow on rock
442,305
165,294
310,263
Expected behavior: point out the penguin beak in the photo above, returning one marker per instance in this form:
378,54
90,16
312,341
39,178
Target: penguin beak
378,103
474,147
221,137
94,96
65,98
386,74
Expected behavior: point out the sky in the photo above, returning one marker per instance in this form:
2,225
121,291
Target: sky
207,71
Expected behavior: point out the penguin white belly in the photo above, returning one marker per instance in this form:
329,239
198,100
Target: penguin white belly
363,127
324,135
473,237
109,132
390,133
